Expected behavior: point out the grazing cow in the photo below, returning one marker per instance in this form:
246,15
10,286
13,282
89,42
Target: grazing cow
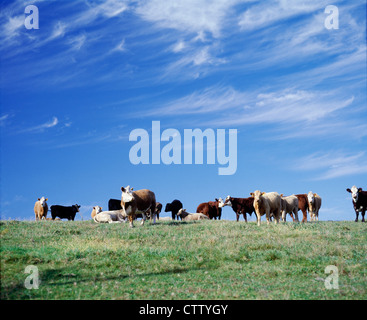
359,198
41,208
302,205
140,201
212,209
96,210
186,216
241,206
267,203
158,209
173,207
64,212
114,204
114,216
314,205
289,205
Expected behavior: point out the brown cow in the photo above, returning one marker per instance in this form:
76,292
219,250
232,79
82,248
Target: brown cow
140,201
212,209
41,208
302,205
241,206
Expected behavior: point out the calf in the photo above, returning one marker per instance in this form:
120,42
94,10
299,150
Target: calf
289,205
140,201
186,216
212,209
314,204
64,212
240,206
359,198
41,208
173,207
267,203
115,216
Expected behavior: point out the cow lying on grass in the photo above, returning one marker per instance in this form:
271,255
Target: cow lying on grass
186,216
114,216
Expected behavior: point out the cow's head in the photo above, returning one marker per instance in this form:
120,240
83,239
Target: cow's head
311,197
227,201
257,196
43,201
168,207
97,209
220,202
77,207
180,211
127,195
354,191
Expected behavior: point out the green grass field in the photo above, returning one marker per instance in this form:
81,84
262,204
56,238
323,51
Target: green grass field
183,260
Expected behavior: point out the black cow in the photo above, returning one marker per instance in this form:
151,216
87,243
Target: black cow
64,212
158,209
359,198
174,207
114,204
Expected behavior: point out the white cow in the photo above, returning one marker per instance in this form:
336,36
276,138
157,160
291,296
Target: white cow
289,205
267,203
114,216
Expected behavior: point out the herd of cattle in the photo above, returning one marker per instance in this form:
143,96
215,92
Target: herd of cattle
142,204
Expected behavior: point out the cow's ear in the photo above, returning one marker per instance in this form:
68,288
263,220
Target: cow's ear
131,189
281,194
359,189
216,199
251,194
39,199
349,190
262,193
46,199
94,207
122,189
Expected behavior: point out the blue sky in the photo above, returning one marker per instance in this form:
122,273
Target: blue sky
74,89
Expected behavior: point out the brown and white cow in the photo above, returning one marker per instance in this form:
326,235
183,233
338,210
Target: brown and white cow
212,209
186,216
359,198
289,205
314,205
240,206
41,208
267,203
140,201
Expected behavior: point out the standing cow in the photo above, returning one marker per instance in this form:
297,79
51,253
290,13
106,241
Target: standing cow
212,209
240,206
64,212
267,203
289,205
314,205
41,208
140,201
174,207
359,198
302,205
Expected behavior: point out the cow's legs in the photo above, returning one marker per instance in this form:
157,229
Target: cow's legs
131,219
267,217
357,214
245,216
304,219
258,217
363,212
296,215
237,216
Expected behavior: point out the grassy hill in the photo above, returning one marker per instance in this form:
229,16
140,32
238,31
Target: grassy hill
179,260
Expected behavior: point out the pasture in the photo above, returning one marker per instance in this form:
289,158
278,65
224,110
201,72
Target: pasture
183,260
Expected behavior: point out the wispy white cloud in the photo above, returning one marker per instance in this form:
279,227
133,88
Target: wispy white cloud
41,127
333,164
